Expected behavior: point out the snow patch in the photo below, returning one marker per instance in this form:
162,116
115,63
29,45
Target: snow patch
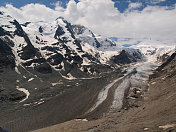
24,91
146,129
81,120
27,104
153,82
41,102
69,77
17,71
167,126
30,79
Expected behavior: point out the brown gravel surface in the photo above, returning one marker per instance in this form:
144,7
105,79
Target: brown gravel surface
156,113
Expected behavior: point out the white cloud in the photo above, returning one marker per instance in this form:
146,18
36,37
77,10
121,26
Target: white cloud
134,5
32,12
156,1
58,3
103,18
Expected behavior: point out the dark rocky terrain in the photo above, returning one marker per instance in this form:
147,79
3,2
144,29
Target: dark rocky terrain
47,77
155,113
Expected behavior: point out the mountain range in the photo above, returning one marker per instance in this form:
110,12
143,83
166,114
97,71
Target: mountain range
59,67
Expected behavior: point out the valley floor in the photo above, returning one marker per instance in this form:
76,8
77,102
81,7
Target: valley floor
79,108
76,98
156,113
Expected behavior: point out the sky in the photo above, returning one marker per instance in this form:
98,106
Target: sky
155,19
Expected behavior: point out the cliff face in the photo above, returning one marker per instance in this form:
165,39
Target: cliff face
125,58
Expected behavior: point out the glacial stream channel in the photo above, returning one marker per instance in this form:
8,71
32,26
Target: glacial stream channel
138,78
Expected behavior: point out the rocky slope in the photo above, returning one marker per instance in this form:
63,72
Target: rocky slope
48,68
155,113
36,51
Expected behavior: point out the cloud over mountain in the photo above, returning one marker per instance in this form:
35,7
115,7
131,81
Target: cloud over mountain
103,18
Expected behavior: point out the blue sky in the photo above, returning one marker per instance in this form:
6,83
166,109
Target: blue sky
20,3
122,5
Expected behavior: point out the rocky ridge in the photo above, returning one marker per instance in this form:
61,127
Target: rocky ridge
59,49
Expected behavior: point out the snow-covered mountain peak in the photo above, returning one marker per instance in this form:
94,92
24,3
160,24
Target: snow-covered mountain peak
6,22
62,47
41,55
